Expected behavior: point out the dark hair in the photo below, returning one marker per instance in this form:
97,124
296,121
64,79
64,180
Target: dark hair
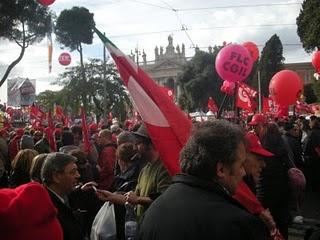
76,130
272,140
126,137
67,138
126,151
80,155
55,162
289,125
210,143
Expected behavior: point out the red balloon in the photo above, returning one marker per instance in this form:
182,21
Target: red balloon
65,59
285,87
316,61
253,50
46,2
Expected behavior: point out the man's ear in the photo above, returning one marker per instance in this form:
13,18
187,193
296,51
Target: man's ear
56,177
220,170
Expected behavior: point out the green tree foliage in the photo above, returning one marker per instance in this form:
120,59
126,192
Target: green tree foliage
48,98
73,27
308,23
309,94
71,94
199,81
271,62
25,22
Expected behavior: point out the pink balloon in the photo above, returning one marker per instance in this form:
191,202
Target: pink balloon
234,63
228,87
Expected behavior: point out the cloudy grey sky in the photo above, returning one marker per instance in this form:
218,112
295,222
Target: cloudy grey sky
144,24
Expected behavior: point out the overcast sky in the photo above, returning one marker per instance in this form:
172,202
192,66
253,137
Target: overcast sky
144,24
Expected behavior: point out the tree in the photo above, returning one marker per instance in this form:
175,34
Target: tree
199,81
73,90
25,22
48,98
271,62
308,23
309,94
73,27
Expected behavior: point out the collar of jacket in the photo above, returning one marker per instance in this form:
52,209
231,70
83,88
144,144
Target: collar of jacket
210,186
200,183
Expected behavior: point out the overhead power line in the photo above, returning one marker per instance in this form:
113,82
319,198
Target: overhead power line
239,6
217,7
204,28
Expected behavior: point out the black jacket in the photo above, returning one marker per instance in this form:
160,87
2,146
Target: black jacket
70,225
192,208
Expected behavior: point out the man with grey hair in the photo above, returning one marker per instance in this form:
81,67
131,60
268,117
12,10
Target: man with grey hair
199,203
60,175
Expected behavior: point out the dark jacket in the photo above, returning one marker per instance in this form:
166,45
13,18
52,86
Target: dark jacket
273,185
124,182
42,146
192,208
71,227
295,146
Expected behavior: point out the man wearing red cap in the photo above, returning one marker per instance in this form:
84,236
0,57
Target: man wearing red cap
258,123
255,159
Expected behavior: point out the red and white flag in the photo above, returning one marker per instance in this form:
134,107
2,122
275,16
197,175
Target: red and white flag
245,97
167,125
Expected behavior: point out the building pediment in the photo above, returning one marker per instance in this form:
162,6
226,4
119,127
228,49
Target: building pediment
166,64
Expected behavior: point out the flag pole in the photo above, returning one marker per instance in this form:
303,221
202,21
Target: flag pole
259,93
104,82
235,107
222,105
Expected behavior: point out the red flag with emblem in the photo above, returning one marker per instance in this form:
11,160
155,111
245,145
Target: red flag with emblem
245,97
167,125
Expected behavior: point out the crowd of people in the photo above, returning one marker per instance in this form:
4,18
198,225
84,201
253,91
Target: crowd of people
122,166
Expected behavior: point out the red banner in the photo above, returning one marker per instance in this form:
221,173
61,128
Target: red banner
245,97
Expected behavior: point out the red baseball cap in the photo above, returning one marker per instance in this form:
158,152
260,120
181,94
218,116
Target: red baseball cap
254,145
258,119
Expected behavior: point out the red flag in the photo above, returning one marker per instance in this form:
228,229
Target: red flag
37,113
212,106
266,107
246,97
85,131
49,131
167,125
246,197
58,112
